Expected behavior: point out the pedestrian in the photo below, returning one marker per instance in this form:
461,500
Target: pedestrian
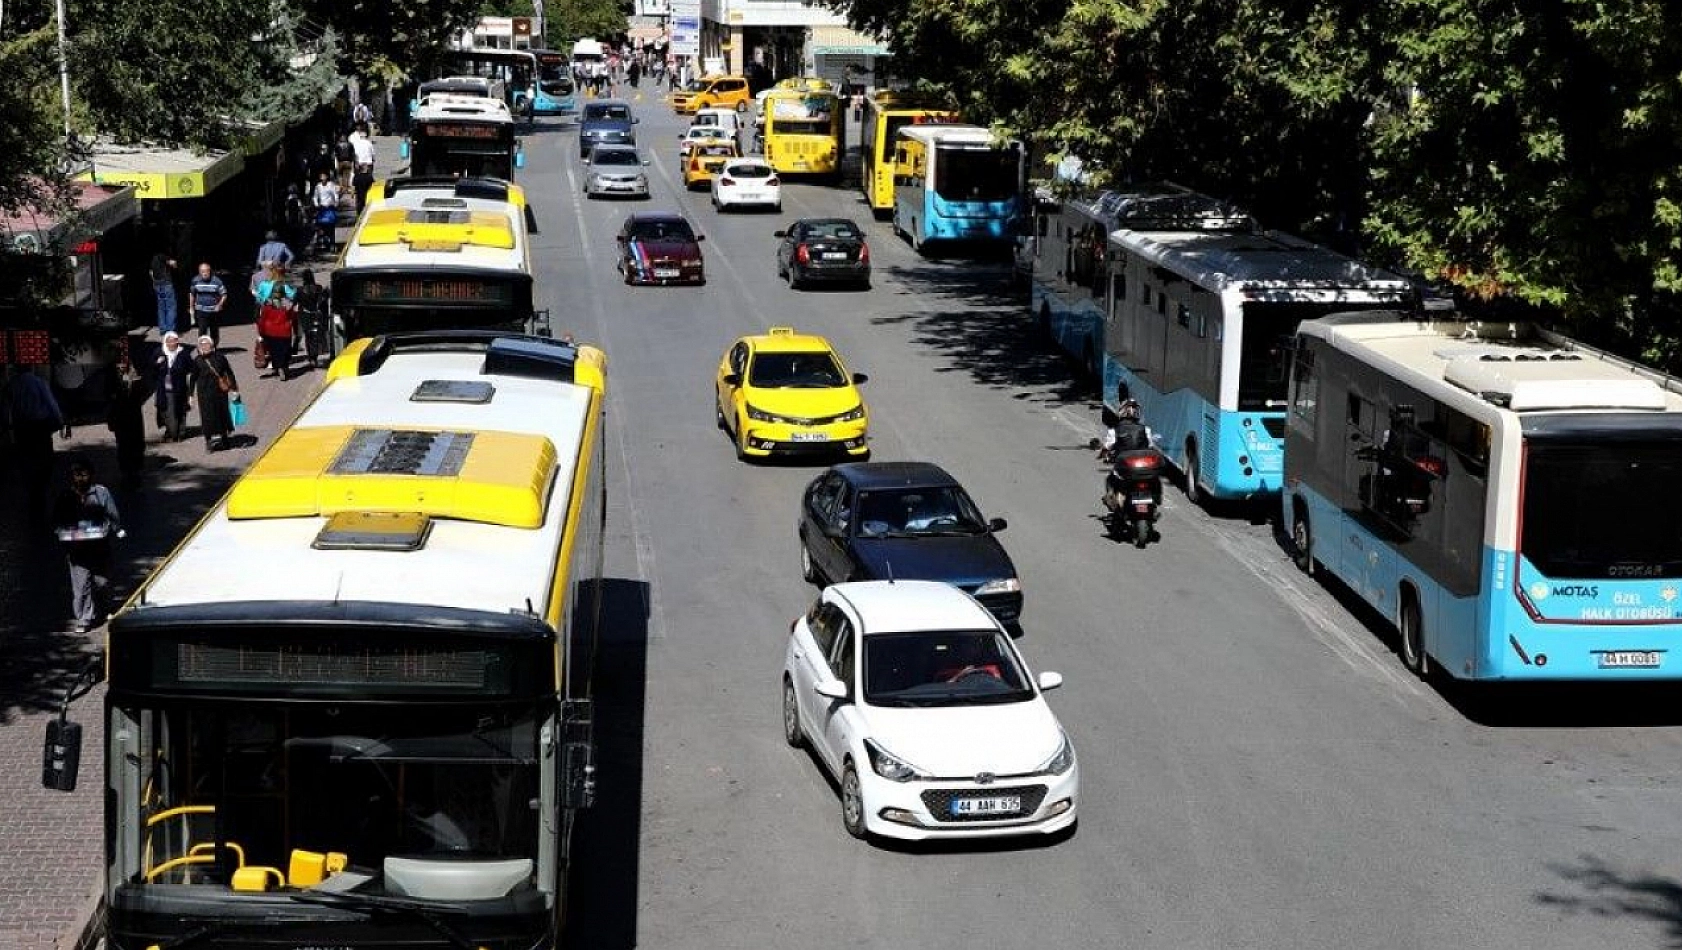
128,426
35,418
326,199
172,397
363,180
87,518
297,223
362,148
276,301
209,298
345,156
273,254
312,317
362,115
215,387
163,287
634,73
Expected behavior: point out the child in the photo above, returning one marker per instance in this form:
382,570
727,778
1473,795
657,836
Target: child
87,518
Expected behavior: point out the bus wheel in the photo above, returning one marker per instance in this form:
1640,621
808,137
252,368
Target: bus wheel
1411,631
1302,538
1194,493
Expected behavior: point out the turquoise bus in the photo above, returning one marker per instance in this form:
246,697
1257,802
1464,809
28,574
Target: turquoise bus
956,183
1505,496
515,69
1068,262
1194,327
556,92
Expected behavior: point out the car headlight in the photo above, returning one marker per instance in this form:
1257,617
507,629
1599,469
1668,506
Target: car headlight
760,415
1062,761
890,767
853,415
1003,585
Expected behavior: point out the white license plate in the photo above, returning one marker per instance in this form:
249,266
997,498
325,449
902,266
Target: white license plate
835,255
809,437
1629,659
665,272
749,196
997,805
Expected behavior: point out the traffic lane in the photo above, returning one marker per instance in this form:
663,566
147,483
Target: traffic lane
1154,700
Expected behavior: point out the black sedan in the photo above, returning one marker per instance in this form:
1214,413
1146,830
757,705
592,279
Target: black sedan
660,248
823,249
910,520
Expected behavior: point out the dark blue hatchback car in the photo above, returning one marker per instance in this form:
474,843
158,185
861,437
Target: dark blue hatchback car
876,520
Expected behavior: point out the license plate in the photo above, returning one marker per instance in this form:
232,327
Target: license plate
665,272
1629,659
997,805
749,196
809,437
1142,507
835,255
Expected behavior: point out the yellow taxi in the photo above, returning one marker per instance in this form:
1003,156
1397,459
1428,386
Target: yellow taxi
703,158
713,92
786,393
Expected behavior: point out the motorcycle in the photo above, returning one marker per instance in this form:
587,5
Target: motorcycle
1132,491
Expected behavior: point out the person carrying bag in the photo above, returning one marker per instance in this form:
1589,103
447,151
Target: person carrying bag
276,307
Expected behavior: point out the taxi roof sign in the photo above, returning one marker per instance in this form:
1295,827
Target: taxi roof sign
781,331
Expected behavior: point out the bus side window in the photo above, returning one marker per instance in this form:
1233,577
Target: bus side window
1305,393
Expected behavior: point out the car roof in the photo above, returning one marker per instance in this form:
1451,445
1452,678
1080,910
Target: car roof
788,342
868,475
909,606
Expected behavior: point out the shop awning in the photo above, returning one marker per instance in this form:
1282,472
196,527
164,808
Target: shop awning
163,173
844,41
99,208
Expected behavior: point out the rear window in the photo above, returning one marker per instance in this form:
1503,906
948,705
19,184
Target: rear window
749,171
832,229
607,112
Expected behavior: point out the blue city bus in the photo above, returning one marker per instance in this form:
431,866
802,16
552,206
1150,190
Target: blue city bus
956,183
556,92
1195,321
1069,263
515,69
1505,496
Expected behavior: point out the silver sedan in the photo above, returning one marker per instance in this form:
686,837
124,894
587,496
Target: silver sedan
615,170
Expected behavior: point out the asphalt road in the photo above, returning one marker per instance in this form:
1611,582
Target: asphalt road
1257,770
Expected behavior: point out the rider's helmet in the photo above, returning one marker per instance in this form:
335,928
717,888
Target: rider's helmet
1129,410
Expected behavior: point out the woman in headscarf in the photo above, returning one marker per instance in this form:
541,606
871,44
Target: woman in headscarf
174,372
276,302
214,385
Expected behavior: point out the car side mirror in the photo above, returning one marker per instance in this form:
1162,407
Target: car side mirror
997,524
779,234
733,379
61,755
635,121
645,161
860,378
1049,680
832,689
699,238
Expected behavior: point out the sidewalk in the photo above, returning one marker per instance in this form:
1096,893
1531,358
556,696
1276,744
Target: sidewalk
53,842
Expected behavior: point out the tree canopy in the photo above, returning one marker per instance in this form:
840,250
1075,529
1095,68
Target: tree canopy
1523,152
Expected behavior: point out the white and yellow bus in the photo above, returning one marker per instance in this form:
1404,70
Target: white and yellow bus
803,131
355,701
437,254
885,113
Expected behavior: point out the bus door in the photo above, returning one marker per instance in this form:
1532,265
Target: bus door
1359,546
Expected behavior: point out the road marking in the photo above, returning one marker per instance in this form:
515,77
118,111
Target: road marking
641,543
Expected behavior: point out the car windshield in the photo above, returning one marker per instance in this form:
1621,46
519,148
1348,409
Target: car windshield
609,113
837,230
918,512
614,157
666,230
749,171
795,371
942,668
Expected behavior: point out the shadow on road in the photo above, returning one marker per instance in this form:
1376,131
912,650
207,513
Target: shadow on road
1607,892
602,891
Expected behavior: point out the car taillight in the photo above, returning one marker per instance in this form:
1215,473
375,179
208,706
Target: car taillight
803,255
772,181
726,181
864,253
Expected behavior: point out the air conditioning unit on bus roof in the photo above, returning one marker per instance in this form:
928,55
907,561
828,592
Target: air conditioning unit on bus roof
1527,379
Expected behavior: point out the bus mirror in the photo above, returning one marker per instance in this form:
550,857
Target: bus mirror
520,158
403,149
61,755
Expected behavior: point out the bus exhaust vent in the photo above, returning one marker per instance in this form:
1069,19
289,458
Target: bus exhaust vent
473,391
373,531
403,452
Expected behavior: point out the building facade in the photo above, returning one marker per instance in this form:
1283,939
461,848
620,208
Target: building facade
786,38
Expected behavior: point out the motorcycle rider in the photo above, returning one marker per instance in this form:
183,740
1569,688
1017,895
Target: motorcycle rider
1125,432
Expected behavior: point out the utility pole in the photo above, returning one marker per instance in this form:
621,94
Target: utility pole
64,71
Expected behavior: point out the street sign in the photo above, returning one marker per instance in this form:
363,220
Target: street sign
686,27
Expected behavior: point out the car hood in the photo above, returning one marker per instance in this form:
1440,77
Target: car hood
962,741
804,402
963,561
674,250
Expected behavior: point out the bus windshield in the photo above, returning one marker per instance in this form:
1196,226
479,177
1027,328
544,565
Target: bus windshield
976,174
1606,509
370,781
1262,378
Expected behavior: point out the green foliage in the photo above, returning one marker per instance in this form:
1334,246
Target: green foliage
571,20
391,35
32,146
1525,152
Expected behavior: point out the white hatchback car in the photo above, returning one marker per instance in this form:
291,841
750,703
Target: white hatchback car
744,182
915,699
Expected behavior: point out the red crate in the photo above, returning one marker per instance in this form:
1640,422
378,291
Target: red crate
31,347
5,349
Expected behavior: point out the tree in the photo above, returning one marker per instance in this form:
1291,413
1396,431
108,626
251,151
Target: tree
32,146
391,37
567,20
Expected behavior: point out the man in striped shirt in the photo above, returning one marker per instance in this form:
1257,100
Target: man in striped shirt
209,296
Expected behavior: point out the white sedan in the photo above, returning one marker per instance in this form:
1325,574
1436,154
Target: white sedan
744,182
915,699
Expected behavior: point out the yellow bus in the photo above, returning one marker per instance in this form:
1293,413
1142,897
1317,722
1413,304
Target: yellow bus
378,715
885,114
436,254
803,130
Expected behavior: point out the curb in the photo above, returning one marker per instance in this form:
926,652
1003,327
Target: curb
88,931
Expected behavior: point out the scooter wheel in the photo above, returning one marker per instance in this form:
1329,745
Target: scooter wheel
1141,531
